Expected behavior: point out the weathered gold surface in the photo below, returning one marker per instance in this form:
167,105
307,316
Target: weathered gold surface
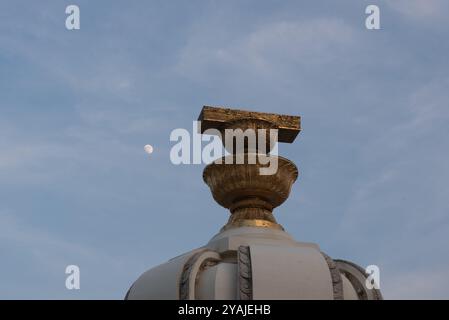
220,118
249,195
252,223
232,183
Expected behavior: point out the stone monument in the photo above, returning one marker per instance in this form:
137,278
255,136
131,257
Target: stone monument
252,257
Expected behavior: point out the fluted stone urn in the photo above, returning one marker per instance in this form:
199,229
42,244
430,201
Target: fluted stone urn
252,256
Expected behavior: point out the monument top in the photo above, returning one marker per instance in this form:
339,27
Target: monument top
221,118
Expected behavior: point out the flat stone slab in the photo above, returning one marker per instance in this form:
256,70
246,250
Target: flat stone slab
219,118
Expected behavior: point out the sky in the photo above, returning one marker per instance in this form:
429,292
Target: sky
77,107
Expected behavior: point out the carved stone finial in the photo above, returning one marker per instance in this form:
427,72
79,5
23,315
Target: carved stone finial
220,118
250,196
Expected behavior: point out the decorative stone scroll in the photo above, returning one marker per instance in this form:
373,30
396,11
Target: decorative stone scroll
245,278
190,272
337,281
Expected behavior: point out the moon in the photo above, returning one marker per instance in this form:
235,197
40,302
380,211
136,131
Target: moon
148,149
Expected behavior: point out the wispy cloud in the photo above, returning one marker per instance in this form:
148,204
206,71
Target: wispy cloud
420,10
47,255
424,283
270,48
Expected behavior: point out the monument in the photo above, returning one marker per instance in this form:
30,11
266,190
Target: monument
253,257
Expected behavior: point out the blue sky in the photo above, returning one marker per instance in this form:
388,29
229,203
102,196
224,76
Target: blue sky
77,107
